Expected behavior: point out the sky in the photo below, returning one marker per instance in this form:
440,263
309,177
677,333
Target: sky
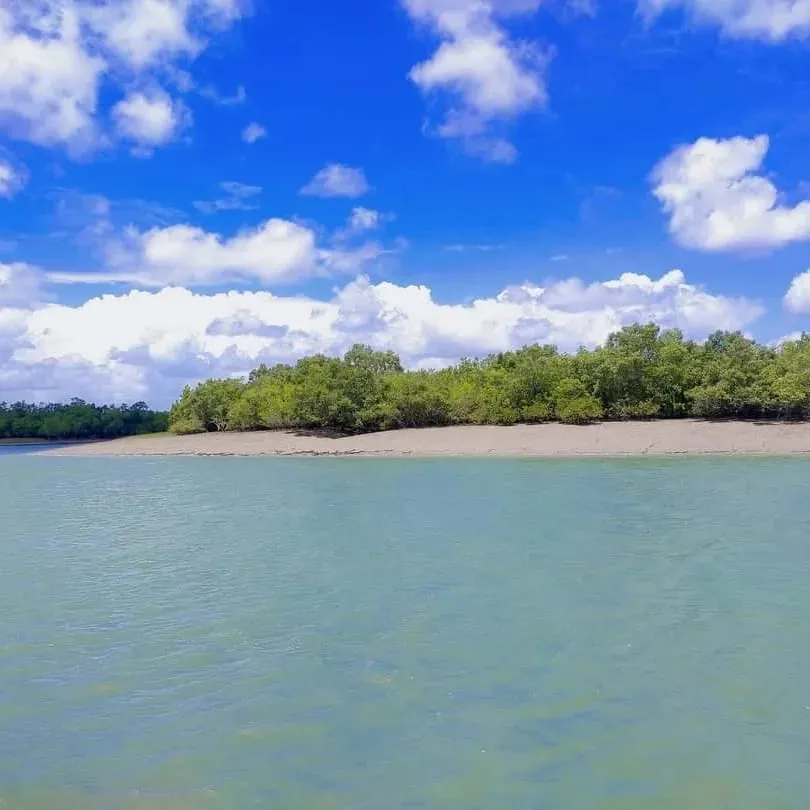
189,188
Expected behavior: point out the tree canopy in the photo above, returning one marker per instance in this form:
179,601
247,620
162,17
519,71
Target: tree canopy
641,372
78,420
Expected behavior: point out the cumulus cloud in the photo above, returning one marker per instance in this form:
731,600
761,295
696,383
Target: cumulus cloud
144,31
253,132
797,298
275,251
488,76
367,219
150,118
337,180
361,221
48,82
56,54
278,251
147,345
717,199
769,20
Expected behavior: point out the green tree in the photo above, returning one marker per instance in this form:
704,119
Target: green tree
731,378
418,399
206,406
574,405
640,372
78,420
787,378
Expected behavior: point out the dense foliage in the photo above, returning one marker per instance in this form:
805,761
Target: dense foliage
641,372
78,420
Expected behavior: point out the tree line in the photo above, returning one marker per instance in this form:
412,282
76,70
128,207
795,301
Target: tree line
641,372
78,420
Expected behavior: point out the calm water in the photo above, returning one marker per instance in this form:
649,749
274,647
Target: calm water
186,634
27,448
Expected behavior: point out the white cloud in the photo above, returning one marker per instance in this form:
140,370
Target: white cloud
717,200
253,132
48,82
770,20
210,92
19,284
144,345
482,69
365,219
142,32
488,76
797,298
237,197
150,118
55,55
277,251
12,178
789,338
337,180
362,220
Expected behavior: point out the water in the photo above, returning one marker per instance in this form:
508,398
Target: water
14,449
189,634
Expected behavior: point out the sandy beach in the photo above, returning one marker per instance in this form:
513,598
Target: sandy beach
690,437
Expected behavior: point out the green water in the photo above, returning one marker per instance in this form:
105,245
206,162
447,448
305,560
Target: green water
188,634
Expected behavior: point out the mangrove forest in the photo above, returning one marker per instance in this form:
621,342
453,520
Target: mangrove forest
642,372
78,420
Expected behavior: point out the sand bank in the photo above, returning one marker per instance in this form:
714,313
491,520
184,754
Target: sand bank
539,441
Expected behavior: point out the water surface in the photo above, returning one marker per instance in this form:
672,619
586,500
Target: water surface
320,634
18,448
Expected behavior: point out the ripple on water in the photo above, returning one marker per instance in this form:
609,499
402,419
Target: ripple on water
191,634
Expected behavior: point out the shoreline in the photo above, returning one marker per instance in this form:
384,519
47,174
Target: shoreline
608,439
31,442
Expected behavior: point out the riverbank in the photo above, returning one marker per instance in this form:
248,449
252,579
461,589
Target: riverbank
690,437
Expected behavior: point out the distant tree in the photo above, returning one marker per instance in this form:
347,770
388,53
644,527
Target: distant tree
78,420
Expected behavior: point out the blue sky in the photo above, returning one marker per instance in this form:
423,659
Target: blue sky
191,187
